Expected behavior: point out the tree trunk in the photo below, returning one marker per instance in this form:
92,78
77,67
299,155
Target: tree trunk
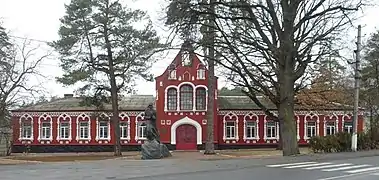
209,145
286,114
280,143
114,94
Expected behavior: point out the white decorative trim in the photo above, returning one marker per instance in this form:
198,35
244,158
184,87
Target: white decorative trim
71,113
186,120
166,96
329,118
201,73
63,117
206,98
265,129
178,96
297,127
30,118
124,117
260,112
311,116
172,74
108,138
193,95
251,117
348,117
41,119
83,117
142,116
230,116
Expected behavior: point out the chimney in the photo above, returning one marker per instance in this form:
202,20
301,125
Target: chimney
68,95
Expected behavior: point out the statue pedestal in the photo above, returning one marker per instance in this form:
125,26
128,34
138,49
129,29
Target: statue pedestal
152,149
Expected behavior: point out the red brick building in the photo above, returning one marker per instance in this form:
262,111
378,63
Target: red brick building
181,103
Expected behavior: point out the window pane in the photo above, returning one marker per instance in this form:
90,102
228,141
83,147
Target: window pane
186,97
171,99
200,98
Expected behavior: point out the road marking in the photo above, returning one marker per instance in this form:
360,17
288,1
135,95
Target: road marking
363,170
328,166
345,176
375,174
291,164
305,165
345,168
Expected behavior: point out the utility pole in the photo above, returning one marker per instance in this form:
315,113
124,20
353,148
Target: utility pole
354,138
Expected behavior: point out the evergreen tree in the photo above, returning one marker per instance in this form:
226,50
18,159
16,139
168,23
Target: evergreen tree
101,47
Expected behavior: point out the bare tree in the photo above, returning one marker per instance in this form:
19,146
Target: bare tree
268,46
18,65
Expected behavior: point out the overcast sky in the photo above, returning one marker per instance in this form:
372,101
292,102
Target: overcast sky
39,20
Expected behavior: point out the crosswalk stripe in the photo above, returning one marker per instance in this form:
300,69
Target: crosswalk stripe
363,170
345,168
306,165
291,164
328,166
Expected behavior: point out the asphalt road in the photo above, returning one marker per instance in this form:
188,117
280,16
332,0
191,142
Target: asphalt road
296,168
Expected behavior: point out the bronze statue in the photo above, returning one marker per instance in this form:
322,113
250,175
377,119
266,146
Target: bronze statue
152,148
151,123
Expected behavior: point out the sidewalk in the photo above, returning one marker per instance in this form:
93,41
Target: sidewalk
181,155
136,155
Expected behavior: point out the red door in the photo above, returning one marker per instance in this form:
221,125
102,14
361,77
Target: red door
186,137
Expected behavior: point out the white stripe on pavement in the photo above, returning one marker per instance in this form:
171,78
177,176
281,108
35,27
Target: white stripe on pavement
306,165
363,170
291,164
345,168
375,174
328,166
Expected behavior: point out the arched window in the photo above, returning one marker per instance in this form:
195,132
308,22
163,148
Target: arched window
186,97
171,99
200,98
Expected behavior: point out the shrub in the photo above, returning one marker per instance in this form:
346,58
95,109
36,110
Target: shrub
341,142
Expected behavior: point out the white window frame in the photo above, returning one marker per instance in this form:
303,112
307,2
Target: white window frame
142,130
253,128
124,118
312,127
103,130
274,127
201,74
349,127
347,118
230,116
45,118
83,129
46,131
312,118
124,130
83,118
28,129
331,128
140,118
251,117
172,74
64,118
231,129
66,129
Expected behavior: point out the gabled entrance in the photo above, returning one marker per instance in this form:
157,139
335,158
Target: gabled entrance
186,137
186,134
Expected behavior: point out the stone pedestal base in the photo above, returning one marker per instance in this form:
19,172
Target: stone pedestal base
152,149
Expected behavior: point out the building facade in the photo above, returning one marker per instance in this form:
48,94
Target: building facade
63,125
